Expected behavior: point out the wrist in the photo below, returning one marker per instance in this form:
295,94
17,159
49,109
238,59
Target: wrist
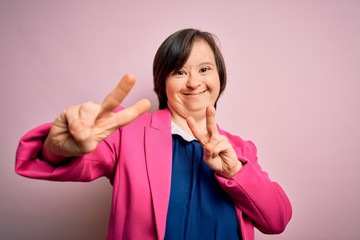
232,171
49,154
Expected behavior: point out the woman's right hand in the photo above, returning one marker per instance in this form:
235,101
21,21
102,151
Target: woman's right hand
79,129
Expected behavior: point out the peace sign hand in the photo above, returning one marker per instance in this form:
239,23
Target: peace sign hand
219,154
79,129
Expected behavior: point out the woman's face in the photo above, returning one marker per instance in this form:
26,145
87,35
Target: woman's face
196,85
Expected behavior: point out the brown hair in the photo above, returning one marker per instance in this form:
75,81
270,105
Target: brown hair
174,52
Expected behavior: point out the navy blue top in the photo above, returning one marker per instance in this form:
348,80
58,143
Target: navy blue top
198,207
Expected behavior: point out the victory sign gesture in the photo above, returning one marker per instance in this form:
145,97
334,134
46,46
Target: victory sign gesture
219,154
79,129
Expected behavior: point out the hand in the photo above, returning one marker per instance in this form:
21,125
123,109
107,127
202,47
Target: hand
219,154
79,129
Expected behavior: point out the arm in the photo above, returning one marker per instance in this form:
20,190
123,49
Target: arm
31,163
240,175
79,138
261,199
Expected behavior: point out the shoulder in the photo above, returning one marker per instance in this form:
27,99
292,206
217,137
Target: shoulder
158,119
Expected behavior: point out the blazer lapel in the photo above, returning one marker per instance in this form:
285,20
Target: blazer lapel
158,149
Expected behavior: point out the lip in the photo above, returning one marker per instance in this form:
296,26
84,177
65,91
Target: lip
194,93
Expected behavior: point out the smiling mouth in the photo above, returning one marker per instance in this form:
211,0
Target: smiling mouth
194,94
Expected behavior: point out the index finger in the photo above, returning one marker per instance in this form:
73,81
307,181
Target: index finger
211,120
118,94
196,131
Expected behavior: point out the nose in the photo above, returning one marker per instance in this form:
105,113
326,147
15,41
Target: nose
193,81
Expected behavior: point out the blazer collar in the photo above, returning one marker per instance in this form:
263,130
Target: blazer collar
161,119
158,150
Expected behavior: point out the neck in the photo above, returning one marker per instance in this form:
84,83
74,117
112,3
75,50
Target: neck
180,120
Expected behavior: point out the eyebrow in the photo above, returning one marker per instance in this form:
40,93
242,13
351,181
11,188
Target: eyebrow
203,63
206,63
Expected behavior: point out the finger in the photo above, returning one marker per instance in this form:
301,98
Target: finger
79,129
71,114
211,121
117,95
209,150
129,114
88,112
218,147
196,131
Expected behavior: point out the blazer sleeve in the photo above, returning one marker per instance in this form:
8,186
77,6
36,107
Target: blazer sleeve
30,163
252,191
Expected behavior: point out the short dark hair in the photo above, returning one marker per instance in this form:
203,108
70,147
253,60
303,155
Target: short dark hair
174,52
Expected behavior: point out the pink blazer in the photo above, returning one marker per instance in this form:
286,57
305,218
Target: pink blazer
137,159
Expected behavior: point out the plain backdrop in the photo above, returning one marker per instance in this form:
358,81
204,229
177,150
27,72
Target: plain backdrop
293,88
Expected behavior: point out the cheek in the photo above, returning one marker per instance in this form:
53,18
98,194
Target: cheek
173,86
167,85
170,89
214,86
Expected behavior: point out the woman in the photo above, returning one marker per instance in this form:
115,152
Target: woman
175,173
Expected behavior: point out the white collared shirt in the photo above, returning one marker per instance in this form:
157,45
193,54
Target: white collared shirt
175,129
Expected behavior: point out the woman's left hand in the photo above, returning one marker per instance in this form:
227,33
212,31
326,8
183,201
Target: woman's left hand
219,154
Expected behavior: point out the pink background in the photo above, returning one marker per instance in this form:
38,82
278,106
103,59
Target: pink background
293,69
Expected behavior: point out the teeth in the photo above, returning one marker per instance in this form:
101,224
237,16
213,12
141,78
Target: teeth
187,94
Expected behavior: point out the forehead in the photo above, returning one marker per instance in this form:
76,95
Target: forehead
201,51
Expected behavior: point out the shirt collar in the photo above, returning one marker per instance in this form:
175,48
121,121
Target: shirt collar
175,129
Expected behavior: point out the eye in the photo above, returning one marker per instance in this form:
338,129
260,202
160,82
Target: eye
179,72
204,69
